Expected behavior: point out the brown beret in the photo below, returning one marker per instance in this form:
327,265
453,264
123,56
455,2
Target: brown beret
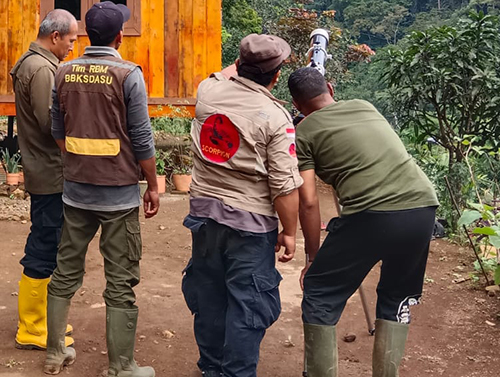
264,51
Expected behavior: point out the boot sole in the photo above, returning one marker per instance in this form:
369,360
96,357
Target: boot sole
34,347
29,347
56,369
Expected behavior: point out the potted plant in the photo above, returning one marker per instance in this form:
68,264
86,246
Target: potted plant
11,165
160,171
182,164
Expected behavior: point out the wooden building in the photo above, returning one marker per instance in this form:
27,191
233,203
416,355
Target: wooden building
176,42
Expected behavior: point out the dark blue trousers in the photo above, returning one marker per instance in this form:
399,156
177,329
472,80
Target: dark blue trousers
40,252
231,287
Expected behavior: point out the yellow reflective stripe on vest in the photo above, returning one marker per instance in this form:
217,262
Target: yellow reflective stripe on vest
92,147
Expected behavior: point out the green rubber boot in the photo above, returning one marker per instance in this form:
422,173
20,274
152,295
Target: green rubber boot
120,336
321,350
58,355
389,347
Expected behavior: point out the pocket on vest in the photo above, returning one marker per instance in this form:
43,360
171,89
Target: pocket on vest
92,147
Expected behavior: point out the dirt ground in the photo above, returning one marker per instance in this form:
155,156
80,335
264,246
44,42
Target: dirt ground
454,333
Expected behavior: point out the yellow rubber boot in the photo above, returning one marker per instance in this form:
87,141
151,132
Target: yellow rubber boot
32,306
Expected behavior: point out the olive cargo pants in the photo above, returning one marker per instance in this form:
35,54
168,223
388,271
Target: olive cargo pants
120,245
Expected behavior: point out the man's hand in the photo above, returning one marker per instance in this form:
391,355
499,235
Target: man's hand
61,143
303,273
151,202
151,198
289,243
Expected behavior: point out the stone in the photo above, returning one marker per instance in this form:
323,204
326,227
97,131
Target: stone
349,338
493,288
18,194
168,334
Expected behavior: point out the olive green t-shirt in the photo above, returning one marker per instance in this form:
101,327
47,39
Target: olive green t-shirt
352,147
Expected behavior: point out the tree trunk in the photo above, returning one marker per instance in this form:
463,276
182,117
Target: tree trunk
457,176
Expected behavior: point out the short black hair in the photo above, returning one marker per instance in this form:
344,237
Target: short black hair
95,40
255,74
306,83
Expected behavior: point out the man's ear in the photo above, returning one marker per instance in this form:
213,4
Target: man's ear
119,37
55,36
330,88
276,77
295,103
275,80
237,63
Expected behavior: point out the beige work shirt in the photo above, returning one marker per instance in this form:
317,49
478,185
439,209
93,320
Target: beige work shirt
243,144
33,79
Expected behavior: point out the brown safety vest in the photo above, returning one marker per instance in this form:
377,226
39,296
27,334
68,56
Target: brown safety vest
91,98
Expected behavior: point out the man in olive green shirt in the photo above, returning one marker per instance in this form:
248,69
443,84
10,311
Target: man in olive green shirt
388,215
33,79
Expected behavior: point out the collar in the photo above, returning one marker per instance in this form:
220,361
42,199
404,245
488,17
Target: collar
42,51
102,51
256,88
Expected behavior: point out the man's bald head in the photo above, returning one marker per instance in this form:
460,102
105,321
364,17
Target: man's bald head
58,32
59,20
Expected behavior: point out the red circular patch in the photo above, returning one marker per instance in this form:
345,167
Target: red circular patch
219,138
292,150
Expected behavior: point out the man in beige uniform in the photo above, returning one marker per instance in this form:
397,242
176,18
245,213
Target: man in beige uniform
245,170
33,79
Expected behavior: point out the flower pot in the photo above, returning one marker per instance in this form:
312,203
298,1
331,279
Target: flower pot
161,180
21,177
12,179
182,182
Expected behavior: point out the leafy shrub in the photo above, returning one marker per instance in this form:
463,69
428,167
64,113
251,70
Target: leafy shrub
177,124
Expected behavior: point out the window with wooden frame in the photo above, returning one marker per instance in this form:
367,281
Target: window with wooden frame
78,8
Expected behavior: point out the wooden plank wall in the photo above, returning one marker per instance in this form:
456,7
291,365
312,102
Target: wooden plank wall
147,50
195,37
179,45
15,36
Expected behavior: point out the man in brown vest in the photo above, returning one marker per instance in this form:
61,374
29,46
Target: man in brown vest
101,122
33,79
